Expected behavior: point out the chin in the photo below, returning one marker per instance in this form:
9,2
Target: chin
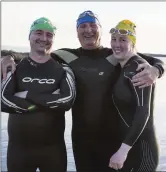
41,51
91,44
119,57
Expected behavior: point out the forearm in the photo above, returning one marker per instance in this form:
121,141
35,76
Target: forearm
15,104
8,98
138,125
52,101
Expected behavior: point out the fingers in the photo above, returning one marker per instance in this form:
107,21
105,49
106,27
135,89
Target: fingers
139,83
140,74
8,61
144,85
143,66
115,166
4,72
13,67
142,78
140,66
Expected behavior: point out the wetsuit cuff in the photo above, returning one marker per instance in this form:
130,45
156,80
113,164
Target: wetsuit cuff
32,108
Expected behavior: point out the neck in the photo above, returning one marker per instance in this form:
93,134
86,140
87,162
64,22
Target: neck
125,60
91,47
38,57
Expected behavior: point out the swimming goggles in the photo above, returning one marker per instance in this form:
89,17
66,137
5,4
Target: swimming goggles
121,31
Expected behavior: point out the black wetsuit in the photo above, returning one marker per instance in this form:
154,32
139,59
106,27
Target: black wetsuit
36,136
93,110
135,120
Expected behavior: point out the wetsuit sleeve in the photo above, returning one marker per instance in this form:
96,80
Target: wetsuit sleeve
9,102
64,100
159,64
142,113
64,55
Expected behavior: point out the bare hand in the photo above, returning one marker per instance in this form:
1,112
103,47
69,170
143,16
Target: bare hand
146,77
8,61
117,160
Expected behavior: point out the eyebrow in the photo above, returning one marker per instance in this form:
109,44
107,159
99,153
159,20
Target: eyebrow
38,30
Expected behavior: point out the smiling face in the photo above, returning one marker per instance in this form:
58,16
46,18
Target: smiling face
89,35
41,41
122,46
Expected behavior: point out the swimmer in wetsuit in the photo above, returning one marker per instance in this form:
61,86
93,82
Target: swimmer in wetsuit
37,109
137,149
93,110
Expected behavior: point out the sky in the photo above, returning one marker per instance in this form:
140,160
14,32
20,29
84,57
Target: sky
149,17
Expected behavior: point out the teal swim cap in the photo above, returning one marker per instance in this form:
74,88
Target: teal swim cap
43,24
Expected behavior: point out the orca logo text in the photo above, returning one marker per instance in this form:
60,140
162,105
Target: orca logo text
40,81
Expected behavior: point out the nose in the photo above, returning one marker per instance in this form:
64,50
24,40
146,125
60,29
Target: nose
117,43
44,37
88,28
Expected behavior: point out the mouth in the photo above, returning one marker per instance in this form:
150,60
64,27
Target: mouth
89,36
42,44
117,51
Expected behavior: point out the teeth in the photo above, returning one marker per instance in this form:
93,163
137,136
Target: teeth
88,36
117,51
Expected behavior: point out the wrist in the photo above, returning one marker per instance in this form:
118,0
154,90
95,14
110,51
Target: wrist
125,148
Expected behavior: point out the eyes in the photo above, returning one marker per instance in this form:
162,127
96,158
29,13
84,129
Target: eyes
40,33
121,39
91,25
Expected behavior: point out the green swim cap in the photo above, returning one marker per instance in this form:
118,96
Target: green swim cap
43,24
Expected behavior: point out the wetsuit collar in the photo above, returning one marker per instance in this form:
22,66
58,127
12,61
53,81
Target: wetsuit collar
131,59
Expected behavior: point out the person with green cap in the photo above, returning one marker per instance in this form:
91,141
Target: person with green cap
136,147
36,108
93,111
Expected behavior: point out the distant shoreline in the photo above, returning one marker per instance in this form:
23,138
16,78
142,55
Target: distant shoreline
5,52
155,55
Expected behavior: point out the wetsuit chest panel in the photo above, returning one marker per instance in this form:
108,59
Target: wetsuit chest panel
122,92
124,101
41,126
43,78
92,73
93,82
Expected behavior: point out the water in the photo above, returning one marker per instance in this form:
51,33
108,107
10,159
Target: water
160,118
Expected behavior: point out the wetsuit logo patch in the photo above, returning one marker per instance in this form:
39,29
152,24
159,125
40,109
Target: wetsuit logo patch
101,73
40,81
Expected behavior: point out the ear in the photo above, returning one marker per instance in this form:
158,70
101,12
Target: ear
29,36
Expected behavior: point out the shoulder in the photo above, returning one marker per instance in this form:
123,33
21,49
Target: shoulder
65,55
130,69
108,51
54,64
22,63
134,61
